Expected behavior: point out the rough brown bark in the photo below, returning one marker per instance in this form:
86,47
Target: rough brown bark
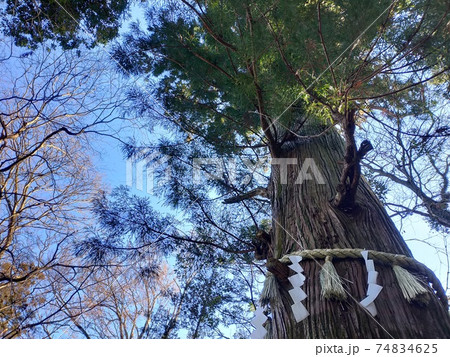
305,218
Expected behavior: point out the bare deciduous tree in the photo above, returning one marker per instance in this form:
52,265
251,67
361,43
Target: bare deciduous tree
117,302
411,157
50,104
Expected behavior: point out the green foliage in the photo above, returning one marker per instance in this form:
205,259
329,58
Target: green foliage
68,22
210,292
225,68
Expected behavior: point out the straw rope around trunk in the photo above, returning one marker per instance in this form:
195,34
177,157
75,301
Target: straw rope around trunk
388,259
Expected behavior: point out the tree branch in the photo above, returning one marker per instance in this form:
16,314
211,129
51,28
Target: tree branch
351,172
259,191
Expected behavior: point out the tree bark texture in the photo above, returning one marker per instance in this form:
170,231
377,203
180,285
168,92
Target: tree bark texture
304,218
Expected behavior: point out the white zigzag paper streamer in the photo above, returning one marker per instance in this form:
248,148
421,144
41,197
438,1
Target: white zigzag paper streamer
258,322
297,294
373,289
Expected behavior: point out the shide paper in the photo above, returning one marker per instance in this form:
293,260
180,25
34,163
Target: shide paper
373,289
258,322
297,294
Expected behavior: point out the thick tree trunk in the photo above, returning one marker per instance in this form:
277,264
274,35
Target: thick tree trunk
304,218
